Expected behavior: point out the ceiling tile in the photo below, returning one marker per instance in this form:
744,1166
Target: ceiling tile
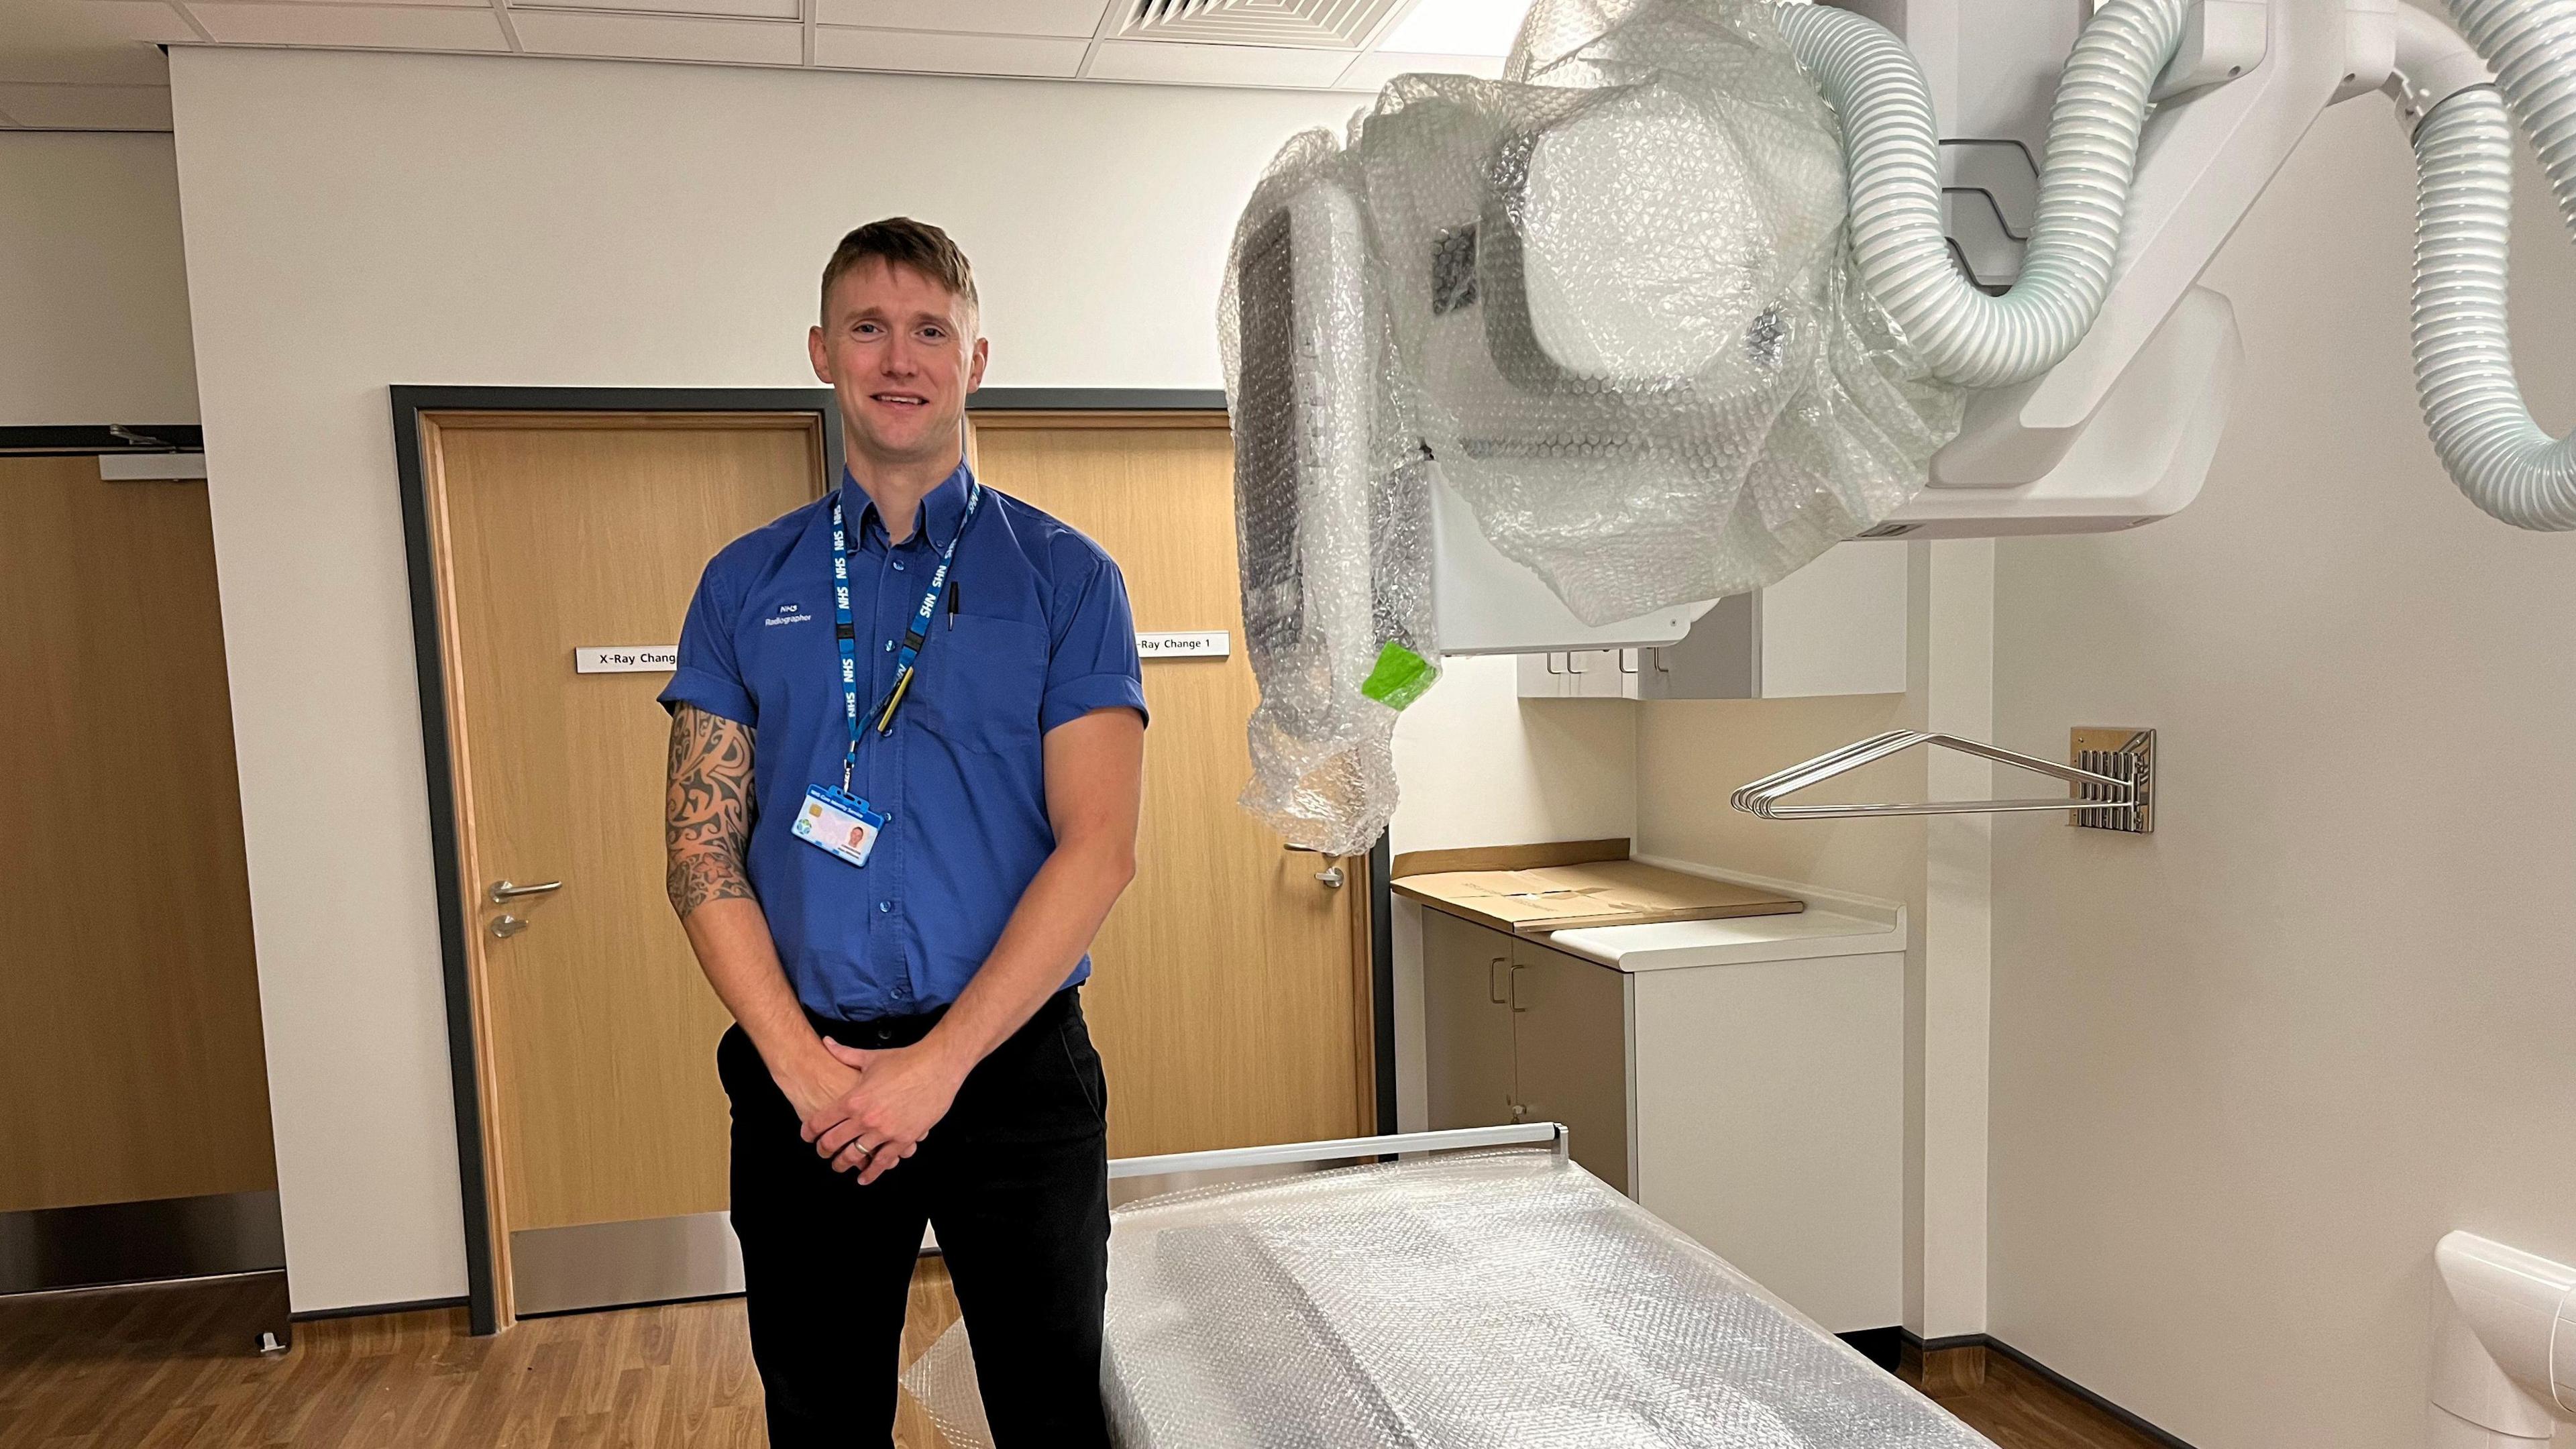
1218,65
148,22
401,4
1372,71
104,44
1458,27
746,9
88,108
915,50
365,27
988,17
660,37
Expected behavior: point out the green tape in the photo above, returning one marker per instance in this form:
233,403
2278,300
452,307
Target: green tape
1400,678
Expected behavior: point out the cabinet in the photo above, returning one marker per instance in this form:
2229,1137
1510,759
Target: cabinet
1467,1023
1514,1032
1750,1093
1836,626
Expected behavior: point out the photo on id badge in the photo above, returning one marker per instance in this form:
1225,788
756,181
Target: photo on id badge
840,823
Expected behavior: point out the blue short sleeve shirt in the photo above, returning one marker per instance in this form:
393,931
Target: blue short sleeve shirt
1035,631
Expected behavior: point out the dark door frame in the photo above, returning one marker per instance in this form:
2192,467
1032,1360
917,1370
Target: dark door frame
455,911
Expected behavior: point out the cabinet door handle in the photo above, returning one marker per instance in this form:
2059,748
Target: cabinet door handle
1515,979
1491,993
1628,660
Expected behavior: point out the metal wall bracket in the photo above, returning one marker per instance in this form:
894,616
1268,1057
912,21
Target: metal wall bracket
2111,773
2121,754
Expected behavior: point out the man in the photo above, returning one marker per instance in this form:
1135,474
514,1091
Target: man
899,810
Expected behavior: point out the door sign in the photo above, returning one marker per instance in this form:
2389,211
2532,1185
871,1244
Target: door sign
1212,644
626,659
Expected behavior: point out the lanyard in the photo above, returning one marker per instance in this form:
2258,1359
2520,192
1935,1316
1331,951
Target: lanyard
913,639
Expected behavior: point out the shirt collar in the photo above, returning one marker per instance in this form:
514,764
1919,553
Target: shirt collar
941,511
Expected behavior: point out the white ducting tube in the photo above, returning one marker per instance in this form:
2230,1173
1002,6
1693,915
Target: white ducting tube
2482,430
1892,146
2484,434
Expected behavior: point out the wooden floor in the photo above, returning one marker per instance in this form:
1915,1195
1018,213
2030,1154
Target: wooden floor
2016,1408
166,1368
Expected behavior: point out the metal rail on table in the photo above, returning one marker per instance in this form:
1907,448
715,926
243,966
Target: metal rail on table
1345,1149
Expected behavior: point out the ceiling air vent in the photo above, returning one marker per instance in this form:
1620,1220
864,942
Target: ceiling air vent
1328,24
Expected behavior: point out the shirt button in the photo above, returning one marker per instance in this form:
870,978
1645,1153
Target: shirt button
889,646
884,906
898,565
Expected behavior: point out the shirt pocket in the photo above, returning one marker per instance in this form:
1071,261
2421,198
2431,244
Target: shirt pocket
981,683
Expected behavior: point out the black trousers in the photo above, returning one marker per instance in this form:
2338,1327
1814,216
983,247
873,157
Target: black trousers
1015,1179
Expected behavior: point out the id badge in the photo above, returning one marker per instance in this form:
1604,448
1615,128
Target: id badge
839,822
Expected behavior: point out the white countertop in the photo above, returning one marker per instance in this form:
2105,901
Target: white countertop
1810,933
1833,924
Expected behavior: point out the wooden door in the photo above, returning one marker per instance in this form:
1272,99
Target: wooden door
130,1055
1231,994
1570,1053
556,532
1466,1023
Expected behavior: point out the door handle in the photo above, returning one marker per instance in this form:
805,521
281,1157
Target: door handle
1330,875
1515,980
503,892
504,927
1491,993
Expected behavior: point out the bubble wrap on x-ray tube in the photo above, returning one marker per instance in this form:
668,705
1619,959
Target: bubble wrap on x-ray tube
1332,521
1624,312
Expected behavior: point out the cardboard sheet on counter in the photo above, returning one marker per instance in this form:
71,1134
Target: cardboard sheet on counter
1606,893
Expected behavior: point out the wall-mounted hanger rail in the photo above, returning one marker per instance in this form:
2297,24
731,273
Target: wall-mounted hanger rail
2112,779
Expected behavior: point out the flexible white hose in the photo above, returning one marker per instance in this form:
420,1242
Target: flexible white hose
2532,45
2481,428
1892,147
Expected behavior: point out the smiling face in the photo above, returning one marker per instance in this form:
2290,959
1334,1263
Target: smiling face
901,353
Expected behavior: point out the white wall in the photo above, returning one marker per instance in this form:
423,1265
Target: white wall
1482,766
2247,1070
92,289
1692,756
358,221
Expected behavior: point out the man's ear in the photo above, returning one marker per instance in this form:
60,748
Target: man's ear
821,355
974,372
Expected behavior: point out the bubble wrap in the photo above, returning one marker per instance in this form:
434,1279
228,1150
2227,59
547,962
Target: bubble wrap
1497,1300
1663,381
1331,515
1612,296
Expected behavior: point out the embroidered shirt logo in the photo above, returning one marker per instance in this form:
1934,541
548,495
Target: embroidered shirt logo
788,614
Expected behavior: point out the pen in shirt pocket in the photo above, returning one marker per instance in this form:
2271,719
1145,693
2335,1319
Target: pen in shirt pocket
952,606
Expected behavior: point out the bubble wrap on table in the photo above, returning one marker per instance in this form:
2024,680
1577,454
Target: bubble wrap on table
1501,1300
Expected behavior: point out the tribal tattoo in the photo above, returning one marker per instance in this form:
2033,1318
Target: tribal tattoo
707,814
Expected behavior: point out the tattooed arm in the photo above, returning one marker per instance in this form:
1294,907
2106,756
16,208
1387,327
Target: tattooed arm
707,815
707,827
